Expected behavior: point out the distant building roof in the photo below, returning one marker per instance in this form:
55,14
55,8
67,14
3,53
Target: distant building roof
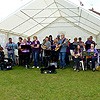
94,11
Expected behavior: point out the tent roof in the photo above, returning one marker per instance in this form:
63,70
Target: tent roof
39,14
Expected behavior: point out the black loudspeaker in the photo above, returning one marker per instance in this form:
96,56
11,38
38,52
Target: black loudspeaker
49,70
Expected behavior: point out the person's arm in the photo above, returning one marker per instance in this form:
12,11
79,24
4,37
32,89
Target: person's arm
1,48
81,54
6,47
95,52
19,47
32,44
49,45
88,50
38,45
76,55
16,46
65,43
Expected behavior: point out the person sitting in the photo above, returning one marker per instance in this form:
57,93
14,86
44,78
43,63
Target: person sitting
93,57
77,54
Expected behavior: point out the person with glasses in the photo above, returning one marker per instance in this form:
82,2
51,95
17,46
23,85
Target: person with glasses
62,44
92,57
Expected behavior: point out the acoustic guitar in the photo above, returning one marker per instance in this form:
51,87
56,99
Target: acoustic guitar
58,48
44,47
60,45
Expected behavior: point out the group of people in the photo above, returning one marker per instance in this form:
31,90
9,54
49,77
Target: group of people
53,50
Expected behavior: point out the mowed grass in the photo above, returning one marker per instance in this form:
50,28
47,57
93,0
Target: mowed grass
30,84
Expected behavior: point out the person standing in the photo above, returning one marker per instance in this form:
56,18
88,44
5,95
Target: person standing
19,50
50,39
54,54
35,51
11,46
58,37
46,44
62,44
81,43
75,43
89,42
29,41
46,51
25,49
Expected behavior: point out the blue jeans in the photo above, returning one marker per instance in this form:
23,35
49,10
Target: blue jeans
12,56
36,58
62,56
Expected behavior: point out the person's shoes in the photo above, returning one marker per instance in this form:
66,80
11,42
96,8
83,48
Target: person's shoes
60,67
33,67
78,70
85,69
37,66
74,69
26,66
93,69
56,66
63,68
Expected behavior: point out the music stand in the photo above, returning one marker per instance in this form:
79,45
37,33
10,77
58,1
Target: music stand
27,47
90,53
85,53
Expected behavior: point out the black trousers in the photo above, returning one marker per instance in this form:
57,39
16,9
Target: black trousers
67,59
94,59
77,62
54,56
20,60
26,58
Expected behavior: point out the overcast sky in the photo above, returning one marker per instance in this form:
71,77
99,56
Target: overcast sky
9,6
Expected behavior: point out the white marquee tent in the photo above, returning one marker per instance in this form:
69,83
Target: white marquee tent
46,17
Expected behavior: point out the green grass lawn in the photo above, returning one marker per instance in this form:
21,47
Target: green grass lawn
30,84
